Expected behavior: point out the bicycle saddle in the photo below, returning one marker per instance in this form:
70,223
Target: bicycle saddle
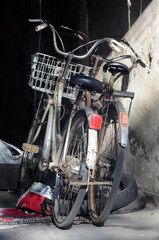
87,83
116,67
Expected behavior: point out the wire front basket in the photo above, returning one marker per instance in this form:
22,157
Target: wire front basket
47,70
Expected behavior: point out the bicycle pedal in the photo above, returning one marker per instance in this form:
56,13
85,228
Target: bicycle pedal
30,148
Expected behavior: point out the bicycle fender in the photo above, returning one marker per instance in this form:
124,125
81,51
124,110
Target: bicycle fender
88,112
92,148
94,120
92,136
123,129
123,121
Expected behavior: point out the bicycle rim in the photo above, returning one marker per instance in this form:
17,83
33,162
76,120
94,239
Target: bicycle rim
68,197
108,169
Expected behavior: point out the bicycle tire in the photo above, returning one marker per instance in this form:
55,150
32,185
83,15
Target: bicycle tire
109,166
137,204
29,168
127,193
68,198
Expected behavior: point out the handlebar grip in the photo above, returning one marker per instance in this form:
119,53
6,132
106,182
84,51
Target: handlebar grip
35,20
41,27
141,63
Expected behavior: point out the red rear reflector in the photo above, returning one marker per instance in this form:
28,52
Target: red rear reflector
124,119
95,121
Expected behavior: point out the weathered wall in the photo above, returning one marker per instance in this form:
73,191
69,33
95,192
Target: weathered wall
143,150
142,156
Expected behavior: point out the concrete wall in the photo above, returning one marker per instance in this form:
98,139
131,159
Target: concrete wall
142,158
142,155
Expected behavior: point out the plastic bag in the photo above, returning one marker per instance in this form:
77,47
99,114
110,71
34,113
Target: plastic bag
38,198
10,154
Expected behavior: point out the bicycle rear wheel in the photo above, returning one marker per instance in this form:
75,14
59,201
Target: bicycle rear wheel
29,169
69,193
109,166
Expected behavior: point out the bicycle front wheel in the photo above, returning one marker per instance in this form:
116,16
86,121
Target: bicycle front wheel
69,190
109,166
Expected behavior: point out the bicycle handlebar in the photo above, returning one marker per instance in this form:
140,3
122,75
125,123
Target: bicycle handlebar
98,42
113,44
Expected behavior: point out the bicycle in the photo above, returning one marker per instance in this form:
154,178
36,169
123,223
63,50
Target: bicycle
70,150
